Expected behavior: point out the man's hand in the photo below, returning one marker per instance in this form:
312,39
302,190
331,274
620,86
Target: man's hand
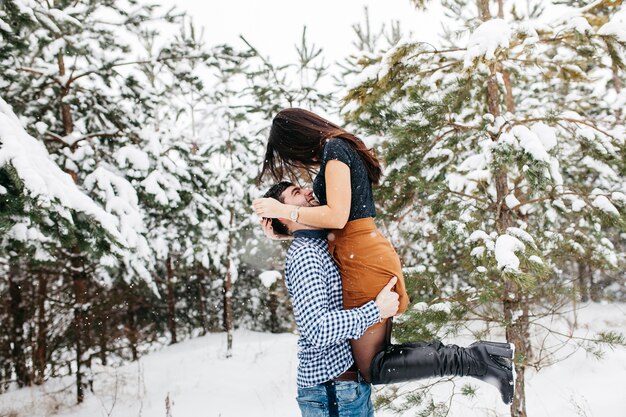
266,224
387,300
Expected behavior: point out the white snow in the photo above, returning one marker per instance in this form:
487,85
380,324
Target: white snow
269,277
577,203
486,39
444,307
555,172
526,30
603,169
615,27
43,179
530,142
4,26
41,127
131,155
520,234
511,201
163,188
546,134
506,246
121,200
25,9
580,25
260,380
62,16
421,306
604,204
479,235
368,73
618,197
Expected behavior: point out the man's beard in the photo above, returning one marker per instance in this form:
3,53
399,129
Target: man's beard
312,202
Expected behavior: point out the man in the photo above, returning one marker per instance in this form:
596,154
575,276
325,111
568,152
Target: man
328,383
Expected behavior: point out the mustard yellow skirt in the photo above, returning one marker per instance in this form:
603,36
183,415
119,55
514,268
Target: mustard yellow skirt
366,261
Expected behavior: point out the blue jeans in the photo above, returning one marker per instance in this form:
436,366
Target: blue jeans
336,399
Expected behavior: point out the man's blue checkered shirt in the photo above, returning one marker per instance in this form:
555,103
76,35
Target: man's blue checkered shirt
314,284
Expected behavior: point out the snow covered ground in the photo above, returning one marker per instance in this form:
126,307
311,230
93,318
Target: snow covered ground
196,378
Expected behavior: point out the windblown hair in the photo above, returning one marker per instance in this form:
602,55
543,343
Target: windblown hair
276,192
296,140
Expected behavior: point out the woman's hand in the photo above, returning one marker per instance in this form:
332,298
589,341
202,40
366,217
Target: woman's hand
266,224
270,208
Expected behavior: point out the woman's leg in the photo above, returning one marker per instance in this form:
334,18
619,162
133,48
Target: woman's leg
381,362
488,361
373,341
367,261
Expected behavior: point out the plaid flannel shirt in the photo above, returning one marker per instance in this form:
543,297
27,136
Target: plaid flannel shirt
314,285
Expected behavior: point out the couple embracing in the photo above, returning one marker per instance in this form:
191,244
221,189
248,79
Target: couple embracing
345,278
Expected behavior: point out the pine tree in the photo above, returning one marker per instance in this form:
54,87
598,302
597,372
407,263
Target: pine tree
74,83
233,119
505,164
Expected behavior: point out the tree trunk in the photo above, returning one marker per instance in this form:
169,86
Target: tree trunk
483,9
131,331
514,309
595,286
80,285
66,112
617,83
7,375
77,272
228,292
171,300
510,103
228,311
583,280
102,341
18,319
201,301
273,307
42,330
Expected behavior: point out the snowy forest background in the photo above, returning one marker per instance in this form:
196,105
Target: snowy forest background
129,146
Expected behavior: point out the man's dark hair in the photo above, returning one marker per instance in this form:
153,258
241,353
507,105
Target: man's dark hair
276,192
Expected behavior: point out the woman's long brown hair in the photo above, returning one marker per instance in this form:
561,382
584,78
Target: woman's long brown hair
296,140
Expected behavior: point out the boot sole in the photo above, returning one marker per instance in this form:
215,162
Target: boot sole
514,373
506,350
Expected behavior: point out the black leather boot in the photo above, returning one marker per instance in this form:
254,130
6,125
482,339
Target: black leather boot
488,361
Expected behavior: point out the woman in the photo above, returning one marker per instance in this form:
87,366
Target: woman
301,140
343,186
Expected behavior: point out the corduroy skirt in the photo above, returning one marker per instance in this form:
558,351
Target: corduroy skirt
366,261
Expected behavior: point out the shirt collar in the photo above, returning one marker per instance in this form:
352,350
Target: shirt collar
315,234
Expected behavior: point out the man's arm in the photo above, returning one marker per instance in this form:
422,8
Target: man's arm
316,321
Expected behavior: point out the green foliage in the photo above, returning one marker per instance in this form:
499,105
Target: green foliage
529,169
